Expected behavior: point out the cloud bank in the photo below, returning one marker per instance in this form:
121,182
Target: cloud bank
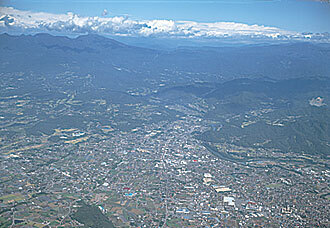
25,21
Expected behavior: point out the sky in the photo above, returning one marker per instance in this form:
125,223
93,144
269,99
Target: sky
171,17
296,15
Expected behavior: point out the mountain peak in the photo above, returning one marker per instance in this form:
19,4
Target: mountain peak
98,39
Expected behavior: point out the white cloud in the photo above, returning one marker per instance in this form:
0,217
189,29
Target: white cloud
26,21
105,12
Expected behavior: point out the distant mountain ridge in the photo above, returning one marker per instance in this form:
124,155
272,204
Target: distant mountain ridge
109,59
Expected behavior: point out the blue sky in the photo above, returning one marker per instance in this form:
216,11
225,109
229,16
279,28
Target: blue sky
293,15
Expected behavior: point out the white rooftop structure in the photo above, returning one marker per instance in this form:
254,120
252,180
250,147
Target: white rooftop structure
229,200
207,175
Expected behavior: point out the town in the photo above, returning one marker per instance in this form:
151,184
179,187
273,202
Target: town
155,173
